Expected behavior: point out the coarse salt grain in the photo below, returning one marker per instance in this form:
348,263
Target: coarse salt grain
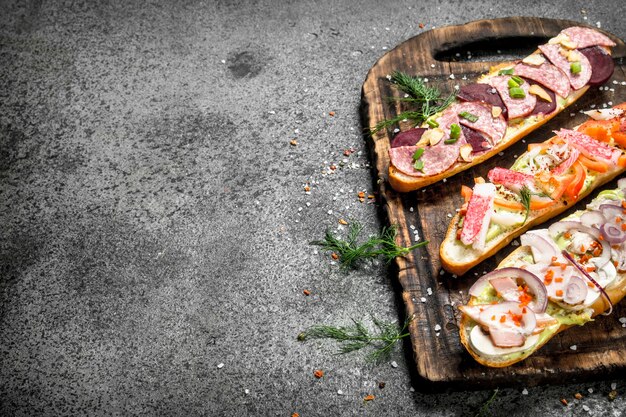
411,209
613,386
586,407
339,392
246,391
330,212
423,299
432,65
220,365
590,390
429,291
524,391
394,364
437,327
573,347
425,80
622,320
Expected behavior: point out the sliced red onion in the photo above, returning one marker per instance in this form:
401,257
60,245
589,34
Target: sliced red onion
575,291
565,226
613,233
592,218
542,250
535,285
611,211
590,278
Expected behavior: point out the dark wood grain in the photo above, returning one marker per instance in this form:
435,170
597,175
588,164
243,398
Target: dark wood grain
440,358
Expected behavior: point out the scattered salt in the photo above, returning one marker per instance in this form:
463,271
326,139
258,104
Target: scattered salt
590,390
339,392
432,65
411,209
573,347
246,391
220,365
437,327
429,291
613,386
223,61
394,364
423,299
524,391
586,407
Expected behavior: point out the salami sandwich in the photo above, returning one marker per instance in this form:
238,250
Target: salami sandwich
501,108
560,277
543,182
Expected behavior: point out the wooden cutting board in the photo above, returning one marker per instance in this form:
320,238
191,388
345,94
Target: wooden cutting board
431,295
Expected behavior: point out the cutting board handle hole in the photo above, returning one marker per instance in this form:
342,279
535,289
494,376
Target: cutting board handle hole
485,50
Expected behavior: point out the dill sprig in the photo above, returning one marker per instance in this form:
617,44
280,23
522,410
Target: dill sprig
427,98
350,253
487,404
357,336
525,196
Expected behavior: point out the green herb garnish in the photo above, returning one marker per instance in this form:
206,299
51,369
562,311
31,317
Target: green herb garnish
512,83
517,92
487,404
525,196
455,134
428,99
432,123
575,67
518,80
508,71
418,154
357,336
468,116
351,254
419,165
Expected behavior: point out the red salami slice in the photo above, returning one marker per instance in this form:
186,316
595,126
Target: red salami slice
436,159
447,118
517,107
577,81
478,216
408,138
589,147
545,74
585,37
565,165
493,127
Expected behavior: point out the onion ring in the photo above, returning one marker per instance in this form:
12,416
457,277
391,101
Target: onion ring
590,278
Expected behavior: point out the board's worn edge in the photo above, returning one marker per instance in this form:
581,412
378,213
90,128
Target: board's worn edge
393,208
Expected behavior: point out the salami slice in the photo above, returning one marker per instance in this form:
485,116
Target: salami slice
517,107
447,118
577,81
589,147
545,74
493,127
436,159
478,216
408,137
585,37
565,165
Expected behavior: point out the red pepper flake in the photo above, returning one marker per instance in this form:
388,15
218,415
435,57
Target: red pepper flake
623,226
371,196
566,235
331,113
318,373
306,292
502,318
307,188
333,167
558,279
381,385
295,415
421,25
342,221
369,398
591,268
559,293
590,284
361,194
554,258
564,401
293,142
578,396
334,256
347,152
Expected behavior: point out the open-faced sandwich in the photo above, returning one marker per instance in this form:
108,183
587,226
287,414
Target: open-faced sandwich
559,277
501,108
543,182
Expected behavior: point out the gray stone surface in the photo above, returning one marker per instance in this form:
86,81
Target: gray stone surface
154,226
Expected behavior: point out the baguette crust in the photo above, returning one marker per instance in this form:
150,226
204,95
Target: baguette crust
616,292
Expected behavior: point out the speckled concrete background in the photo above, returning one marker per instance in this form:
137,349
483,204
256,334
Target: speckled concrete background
154,224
